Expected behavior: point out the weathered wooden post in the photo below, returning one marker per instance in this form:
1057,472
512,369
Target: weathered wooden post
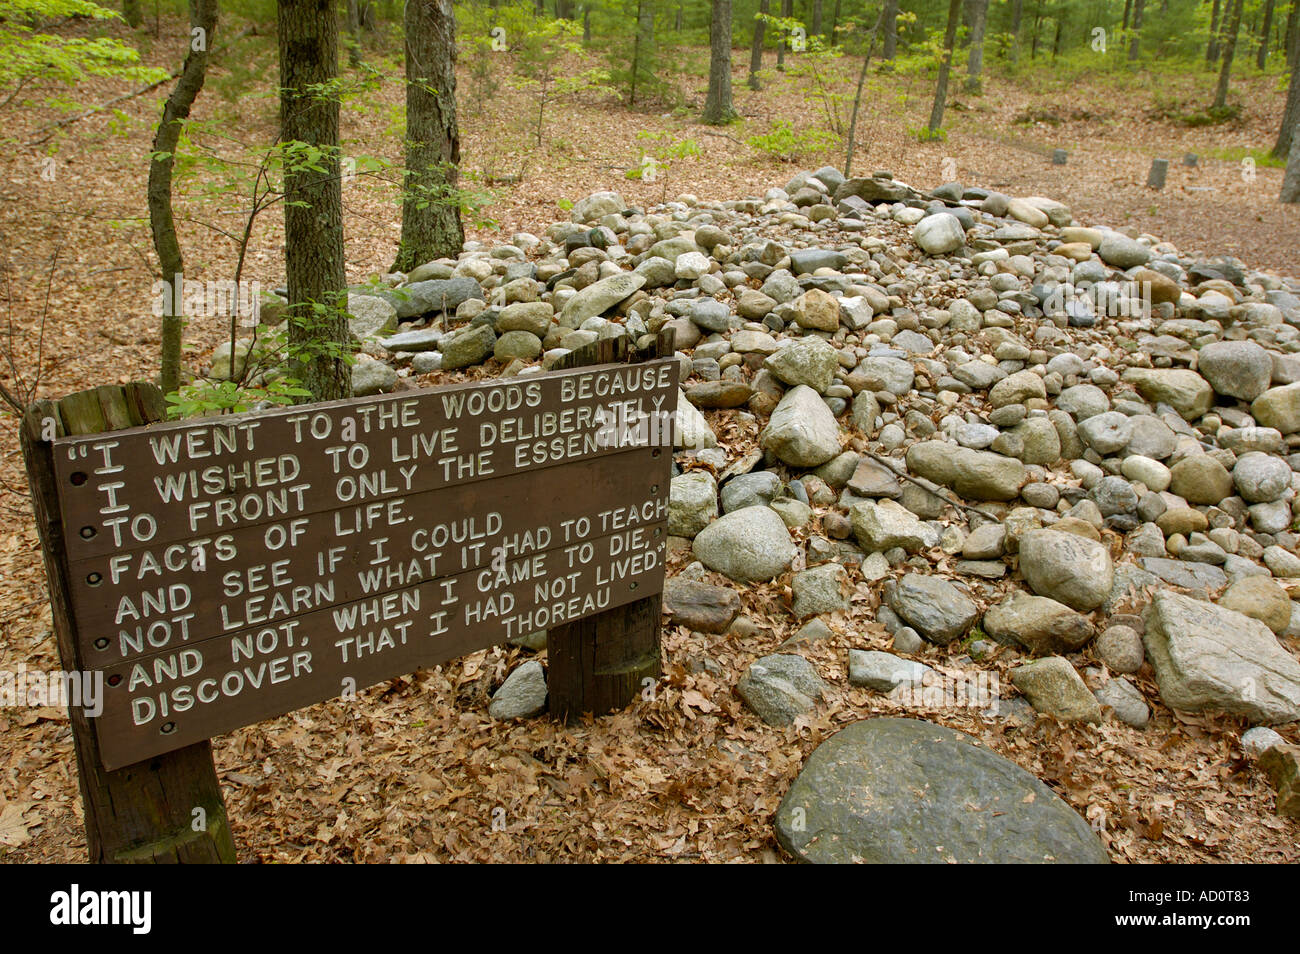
600,663
165,809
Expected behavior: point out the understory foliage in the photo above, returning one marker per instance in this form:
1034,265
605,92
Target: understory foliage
32,54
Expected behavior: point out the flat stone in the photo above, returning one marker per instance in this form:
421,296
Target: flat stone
702,607
820,589
1054,688
884,672
1190,576
599,297
882,525
902,791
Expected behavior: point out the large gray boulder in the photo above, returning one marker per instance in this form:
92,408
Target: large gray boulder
902,791
749,545
932,606
1041,625
1208,658
809,361
692,503
802,431
882,525
1240,369
1067,568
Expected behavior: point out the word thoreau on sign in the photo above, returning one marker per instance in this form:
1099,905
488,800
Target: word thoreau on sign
233,569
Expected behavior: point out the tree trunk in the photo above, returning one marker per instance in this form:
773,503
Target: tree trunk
131,13
431,226
941,87
1017,14
1290,117
756,49
857,96
1261,55
835,22
787,10
889,48
1291,178
1128,8
641,41
1229,49
717,106
1137,27
586,25
313,213
1293,36
1212,46
975,59
354,34
1056,37
1033,46
203,16
816,18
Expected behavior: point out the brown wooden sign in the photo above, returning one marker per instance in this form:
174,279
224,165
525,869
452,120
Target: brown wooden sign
229,570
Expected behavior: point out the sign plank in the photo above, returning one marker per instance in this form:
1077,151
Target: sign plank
149,486
229,570
135,602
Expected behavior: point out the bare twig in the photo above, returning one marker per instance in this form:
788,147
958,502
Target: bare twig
53,127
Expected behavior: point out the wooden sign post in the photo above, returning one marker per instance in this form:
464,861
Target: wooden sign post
141,813
226,570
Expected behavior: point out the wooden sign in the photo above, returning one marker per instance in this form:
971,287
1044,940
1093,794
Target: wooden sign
231,569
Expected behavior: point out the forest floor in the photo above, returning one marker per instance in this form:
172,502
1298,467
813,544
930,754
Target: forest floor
419,772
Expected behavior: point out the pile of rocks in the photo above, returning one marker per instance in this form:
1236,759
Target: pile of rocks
1097,432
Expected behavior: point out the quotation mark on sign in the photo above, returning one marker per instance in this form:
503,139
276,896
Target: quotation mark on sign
1098,40
498,35
948,169
1248,170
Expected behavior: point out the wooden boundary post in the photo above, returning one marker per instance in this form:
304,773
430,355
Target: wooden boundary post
168,808
599,664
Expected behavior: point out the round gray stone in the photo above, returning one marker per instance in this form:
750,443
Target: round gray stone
902,791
